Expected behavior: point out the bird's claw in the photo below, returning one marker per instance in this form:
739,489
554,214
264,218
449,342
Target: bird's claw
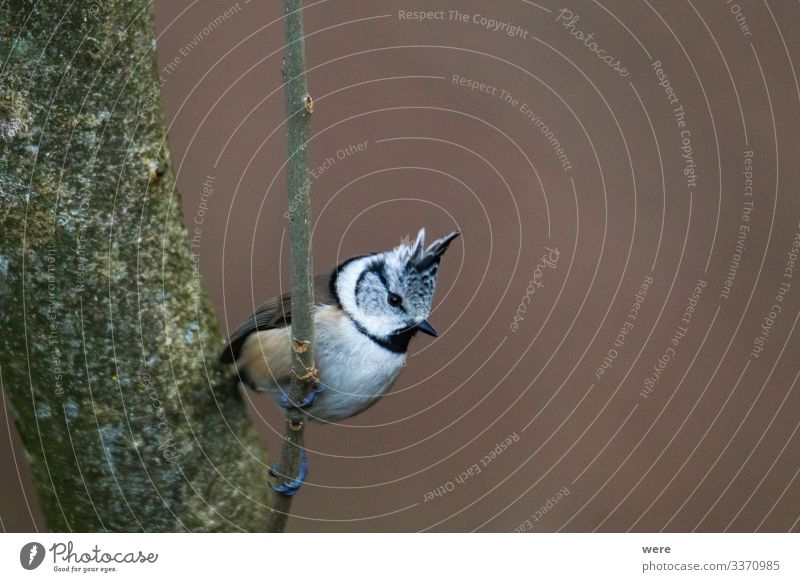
284,401
289,488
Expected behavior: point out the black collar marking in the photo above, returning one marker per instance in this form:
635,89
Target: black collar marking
396,342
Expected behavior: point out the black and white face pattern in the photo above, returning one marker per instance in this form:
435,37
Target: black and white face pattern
391,292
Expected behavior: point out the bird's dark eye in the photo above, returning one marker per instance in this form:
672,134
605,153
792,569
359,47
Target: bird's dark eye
394,299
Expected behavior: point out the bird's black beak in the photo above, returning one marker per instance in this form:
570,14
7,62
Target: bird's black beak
427,328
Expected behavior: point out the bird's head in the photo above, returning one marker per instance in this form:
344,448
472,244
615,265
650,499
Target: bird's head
391,293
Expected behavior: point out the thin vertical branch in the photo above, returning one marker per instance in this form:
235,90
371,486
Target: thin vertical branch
304,376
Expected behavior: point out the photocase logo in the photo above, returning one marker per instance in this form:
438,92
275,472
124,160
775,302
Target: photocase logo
31,555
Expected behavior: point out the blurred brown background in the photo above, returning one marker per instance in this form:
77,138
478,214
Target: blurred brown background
714,444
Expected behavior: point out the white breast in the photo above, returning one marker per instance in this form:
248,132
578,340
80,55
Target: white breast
355,370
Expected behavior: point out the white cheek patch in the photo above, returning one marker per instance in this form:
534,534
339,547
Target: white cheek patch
346,288
346,283
376,325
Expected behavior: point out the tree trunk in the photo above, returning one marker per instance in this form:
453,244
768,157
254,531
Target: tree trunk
107,341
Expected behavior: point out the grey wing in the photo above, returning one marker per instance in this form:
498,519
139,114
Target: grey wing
273,314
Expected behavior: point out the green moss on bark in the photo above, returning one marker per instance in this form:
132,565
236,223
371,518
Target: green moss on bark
107,341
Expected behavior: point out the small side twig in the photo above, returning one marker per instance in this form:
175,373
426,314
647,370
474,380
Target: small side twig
299,106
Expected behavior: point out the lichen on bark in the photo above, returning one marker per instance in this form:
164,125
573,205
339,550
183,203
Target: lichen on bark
107,339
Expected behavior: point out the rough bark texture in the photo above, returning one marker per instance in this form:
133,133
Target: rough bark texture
299,106
107,340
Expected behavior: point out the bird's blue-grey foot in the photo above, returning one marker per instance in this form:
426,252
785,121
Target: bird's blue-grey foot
285,402
289,488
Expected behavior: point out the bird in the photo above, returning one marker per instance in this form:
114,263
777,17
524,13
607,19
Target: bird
366,312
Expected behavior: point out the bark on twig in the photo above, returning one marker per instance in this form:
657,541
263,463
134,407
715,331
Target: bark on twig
299,106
